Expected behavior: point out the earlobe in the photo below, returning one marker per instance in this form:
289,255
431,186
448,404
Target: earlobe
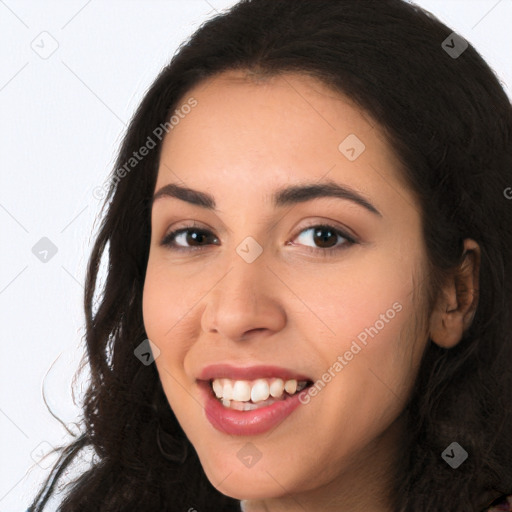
458,300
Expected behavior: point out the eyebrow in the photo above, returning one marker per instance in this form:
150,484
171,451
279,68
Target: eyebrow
286,196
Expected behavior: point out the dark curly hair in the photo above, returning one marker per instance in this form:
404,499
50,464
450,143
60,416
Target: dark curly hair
449,122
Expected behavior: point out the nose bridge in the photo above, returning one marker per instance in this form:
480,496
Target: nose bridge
243,299
245,277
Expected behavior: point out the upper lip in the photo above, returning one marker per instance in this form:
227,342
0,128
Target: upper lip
229,371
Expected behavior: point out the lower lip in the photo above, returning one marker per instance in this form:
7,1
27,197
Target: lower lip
247,423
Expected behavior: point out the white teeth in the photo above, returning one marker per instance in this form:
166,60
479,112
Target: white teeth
249,406
243,406
241,391
217,388
260,391
290,386
239,406
227,389
257,391
277,388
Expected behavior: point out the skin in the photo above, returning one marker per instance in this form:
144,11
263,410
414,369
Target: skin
293,307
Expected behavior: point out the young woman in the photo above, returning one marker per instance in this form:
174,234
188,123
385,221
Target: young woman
309,288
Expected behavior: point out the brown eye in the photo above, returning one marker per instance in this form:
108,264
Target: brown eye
183,238
324,237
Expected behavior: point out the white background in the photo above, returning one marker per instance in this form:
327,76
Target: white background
61,122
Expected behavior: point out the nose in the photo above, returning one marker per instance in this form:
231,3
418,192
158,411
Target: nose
246,302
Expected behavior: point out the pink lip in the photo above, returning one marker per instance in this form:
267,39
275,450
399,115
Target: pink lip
246,423
227,371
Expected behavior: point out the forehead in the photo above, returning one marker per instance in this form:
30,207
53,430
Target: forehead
261,132
233,103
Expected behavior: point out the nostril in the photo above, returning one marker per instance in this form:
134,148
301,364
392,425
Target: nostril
249,333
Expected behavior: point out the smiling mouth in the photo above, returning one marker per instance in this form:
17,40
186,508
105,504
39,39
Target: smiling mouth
245,395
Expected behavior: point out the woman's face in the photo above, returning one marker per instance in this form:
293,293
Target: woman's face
257,292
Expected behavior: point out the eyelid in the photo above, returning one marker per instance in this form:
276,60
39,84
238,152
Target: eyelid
184,225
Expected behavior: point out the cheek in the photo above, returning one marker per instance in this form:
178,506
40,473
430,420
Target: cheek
164,309
346,301
365,314
154,302
168,293
164,306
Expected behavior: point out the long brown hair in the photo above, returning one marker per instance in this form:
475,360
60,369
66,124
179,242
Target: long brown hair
449,121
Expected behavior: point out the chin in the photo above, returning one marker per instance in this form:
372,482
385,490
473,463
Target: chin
245,489
260,481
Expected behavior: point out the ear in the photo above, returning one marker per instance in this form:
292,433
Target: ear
458,300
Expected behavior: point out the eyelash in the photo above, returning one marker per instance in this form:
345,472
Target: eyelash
169,239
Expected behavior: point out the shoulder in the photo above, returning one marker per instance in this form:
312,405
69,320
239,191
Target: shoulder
503,504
